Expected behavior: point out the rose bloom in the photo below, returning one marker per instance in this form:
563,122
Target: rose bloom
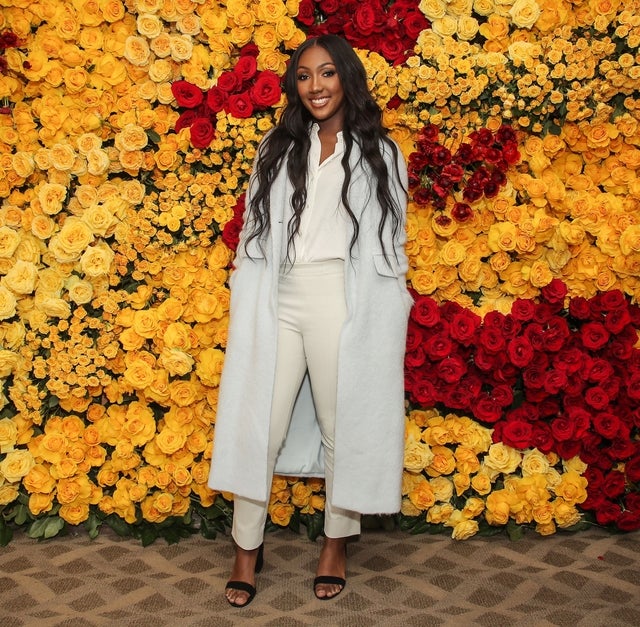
131,137
72,239
422,496
502,458
498,507
417,455
442,488
21,278
443,462
7,303
139,374
9,240
51,197
209,366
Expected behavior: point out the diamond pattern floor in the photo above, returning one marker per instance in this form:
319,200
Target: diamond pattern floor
587,579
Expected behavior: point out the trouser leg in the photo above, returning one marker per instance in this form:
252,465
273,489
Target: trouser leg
321,335
249,516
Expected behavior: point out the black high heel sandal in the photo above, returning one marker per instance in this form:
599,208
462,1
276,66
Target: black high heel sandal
243,586
330,579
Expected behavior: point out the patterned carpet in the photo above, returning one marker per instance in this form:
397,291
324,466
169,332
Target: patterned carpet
587,579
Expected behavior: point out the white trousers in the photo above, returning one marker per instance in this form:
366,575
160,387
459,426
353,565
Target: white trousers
311,312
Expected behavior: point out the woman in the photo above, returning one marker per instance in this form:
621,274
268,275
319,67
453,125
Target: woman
313,376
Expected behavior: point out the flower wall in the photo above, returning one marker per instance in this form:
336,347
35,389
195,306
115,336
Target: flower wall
127,133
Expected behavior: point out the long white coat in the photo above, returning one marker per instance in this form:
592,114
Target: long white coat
369,432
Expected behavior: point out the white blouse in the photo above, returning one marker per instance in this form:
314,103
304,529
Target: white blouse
324,222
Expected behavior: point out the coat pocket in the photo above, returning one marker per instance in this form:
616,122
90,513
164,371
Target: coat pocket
386,265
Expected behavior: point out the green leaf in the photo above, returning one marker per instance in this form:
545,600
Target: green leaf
119,525
515,531
6,532
315,524
92,525
148,535
36,530
153,136
21,514
54,526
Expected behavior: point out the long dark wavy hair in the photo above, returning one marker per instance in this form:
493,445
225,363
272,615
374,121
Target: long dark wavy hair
290,141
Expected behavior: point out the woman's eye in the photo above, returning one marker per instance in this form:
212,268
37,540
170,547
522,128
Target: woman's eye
302,77
329,73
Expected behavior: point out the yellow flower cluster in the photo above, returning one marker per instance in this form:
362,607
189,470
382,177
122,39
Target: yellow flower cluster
287,495
452,468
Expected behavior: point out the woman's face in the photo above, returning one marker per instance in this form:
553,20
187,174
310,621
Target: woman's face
320,89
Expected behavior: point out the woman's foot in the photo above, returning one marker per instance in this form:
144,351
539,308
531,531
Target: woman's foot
240,588
332,569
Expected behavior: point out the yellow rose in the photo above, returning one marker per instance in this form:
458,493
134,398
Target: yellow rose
565,514
74,513
149,25
184,393
96,260
422,495
175,361
7,303
145,322
442,488
572,488
80,292
465,529
417,455
71,241
443,462
524,13
181,47
209,366
23,164
280,513
139,374
534,462
40,503
9,240
439,514
16,465
169,441
139,426
502,236
55,307
8,433
22,277
484,7
131,137
502,458
62,156
445,26
467,27
8,494
98,162
407,508
452,253
498,507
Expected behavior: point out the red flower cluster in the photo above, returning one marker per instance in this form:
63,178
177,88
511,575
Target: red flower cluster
476,169
561,380
240,92
8,39
383,26
231,230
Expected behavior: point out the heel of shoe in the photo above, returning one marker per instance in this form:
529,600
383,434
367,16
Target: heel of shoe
260,559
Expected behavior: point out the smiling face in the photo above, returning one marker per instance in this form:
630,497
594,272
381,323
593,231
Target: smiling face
320,88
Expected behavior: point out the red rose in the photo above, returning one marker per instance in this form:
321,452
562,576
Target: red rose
595,478
579,308
570,359
464,325
239,105
216,99
231,233
491,340
486,409
228,82
266,91
186,119
598,370
629,520
306,12
523,309
554,292
461,212
621,448
542,438
250,50
517,434
439,346
423,391
503,395
526,411
607,512
591,453
246,67
186,94
451,369
202,132
555,381
617,320
535,334
414,358
520,352
614,484
365,18
425,311
610,301
568,449
330,6
622,348
596,397
414,23
535,373
556,334
394,49
606,424
593,335
415,336
562,428
632,469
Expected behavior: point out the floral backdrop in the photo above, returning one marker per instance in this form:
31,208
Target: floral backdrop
127,133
